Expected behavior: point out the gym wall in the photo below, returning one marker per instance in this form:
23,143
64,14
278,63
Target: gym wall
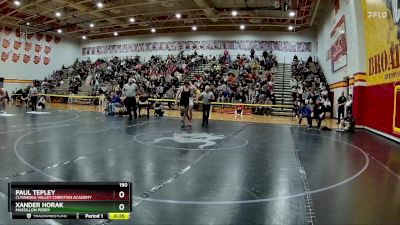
378,94
341,21
284,44
37,57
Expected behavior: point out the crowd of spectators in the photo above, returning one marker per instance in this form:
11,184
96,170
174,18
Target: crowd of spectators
238,79
233,79
309,91
241,79
154,76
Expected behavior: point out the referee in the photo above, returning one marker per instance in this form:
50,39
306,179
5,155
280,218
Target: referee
130,90
207,96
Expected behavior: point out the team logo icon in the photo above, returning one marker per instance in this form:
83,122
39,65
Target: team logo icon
28,46
17,44
39,36
190,141
27,58
6,43
47,49
49,37
46,61
36,59
16,56
38,48
4,56
202,139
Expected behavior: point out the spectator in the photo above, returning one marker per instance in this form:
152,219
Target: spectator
144,103
42,102
296,108
347,124
157,109
265,55
226,53
349,104
328,105
71,97
239,110
341,106
293,82
305,112
319,112
115,102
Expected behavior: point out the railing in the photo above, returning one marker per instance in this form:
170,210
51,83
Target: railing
167,100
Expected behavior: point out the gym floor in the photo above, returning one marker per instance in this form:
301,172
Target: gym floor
227,173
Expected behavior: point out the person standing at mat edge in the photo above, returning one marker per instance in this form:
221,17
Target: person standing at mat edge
130,90
207,96
33,92
341,105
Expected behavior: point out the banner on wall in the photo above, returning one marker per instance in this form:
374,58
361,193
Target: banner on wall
382,34
6,43
4,56
35,51
284,46
339,45
337,5
16,56
28,46
27,58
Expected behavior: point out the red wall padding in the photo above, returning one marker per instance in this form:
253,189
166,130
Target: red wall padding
374,107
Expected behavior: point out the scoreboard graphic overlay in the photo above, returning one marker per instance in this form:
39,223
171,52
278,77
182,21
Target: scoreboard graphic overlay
83,200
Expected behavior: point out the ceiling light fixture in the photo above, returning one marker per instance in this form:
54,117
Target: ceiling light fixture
132,20
57,14
91,25
178,15
292,13
17,3
59,31
234,13
194,28
290,27
99,5
242,27
115,33
84,37
153,30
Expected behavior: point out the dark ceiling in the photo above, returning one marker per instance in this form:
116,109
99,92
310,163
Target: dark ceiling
114,16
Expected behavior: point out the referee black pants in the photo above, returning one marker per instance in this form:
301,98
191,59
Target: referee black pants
130,103
34,102
206,113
